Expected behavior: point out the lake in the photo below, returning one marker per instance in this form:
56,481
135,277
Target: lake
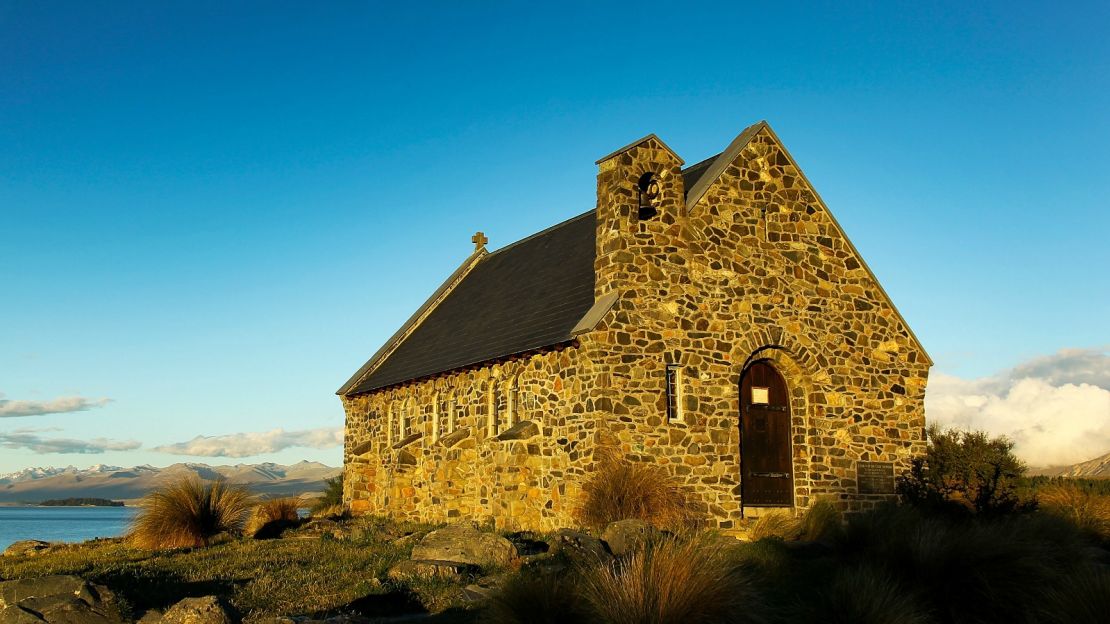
62,524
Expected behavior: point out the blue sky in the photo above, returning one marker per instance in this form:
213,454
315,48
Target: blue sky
211,214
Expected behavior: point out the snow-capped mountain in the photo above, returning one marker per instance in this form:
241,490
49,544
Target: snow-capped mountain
100,481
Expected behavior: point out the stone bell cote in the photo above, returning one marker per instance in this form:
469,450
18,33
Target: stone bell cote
640,208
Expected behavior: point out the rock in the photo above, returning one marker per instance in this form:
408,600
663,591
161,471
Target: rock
476,593
59,599
204,610
579,547
26,548
153,616
626,536
462,543
429,569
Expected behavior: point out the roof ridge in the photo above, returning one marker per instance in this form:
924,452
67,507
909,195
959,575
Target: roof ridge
541,232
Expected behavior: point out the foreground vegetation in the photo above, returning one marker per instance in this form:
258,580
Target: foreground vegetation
970,542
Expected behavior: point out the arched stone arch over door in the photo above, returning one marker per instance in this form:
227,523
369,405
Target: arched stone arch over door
766,457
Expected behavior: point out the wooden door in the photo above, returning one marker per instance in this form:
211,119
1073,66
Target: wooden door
767,469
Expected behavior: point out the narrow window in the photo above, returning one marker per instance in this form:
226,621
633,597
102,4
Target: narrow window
453,415
491,407
435,416
514,404
673,372
389,425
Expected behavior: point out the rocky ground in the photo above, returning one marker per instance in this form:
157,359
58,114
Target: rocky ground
411,573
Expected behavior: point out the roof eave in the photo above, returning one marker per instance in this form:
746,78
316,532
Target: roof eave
421,313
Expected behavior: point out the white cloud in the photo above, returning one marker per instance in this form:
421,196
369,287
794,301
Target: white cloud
61,405
1055,408
29,439
256,442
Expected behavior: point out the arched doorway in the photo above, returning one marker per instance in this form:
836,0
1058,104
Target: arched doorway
766,461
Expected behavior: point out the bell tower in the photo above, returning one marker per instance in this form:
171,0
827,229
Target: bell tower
640,210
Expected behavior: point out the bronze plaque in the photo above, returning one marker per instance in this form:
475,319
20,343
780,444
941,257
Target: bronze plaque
875,477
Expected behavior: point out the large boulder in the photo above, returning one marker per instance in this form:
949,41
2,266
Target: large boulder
203,610
26,548
58,599
579,547
423,569
463,543
627,536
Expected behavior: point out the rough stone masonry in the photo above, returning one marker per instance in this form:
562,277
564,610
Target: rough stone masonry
629,331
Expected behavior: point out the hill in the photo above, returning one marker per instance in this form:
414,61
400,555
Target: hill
1097,468
113,482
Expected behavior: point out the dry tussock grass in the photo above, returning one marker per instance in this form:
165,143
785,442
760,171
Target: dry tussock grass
620,490
821,522
673,580
1087,510
274,512
189,513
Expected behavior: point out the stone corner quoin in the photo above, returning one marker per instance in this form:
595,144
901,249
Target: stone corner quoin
749,351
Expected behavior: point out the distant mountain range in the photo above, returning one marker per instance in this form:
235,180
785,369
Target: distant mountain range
33,485
1097,468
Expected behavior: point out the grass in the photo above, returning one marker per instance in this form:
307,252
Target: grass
821,522
530,598
281,577
671,581
620,490
189,513
270,517
1085,508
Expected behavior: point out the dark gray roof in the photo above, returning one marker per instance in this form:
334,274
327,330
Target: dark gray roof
525,296
693,173
522,297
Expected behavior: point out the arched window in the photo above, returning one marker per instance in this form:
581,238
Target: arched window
512,415
389,424
435,415
491,408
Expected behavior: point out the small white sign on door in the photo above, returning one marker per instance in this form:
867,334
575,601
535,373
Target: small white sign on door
760,396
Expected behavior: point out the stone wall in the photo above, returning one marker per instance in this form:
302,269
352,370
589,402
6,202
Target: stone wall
519,469
755,269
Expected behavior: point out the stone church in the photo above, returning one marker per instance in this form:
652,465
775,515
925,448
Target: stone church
711,319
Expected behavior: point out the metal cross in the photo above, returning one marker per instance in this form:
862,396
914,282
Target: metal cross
479,239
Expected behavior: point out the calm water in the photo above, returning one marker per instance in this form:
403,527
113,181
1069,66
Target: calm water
62,524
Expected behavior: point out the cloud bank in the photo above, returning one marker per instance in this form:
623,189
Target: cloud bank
256,442
29,439
62,405
1055,408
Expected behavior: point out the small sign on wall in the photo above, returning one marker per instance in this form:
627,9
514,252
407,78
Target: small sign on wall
875,477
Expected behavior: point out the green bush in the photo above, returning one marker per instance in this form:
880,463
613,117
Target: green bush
965,471
333,494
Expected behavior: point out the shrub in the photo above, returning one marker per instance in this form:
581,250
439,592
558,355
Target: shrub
272,516
863,595
672,580
964,470
1087,510
189,512
535,598
971,570
620,490
333,494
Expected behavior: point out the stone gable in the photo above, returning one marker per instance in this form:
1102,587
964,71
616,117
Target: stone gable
752,269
